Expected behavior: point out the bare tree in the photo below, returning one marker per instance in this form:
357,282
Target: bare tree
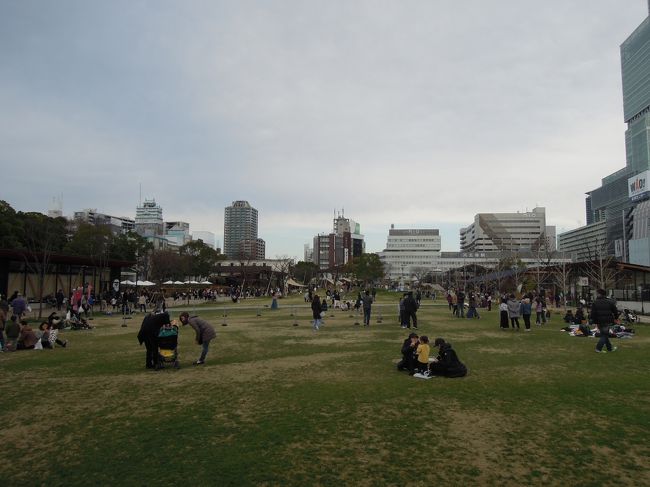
600,268
562,275
543,254
42,236
283,267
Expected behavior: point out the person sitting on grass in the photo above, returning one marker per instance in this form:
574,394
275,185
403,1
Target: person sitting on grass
409,347
446,364
56,324
44,332
12,330
27,338
568,317
422,353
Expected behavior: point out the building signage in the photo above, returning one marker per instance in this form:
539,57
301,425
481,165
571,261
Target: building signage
637,186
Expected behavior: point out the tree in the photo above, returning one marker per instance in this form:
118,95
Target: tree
305,271
367,267
41,236
562,275
94,242
201,258
10,227
131,246
283,267
543,252
166,264
600,267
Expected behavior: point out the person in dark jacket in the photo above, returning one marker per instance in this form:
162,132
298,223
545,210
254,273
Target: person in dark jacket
603,314
316,311
148,335
410,311
447,363
460,297
204,333
409,347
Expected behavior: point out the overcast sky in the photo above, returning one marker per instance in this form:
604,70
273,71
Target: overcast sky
417,113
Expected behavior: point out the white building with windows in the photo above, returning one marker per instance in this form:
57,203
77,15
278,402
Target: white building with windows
410,252
493,232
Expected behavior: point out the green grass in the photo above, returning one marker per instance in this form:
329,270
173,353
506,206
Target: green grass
278,404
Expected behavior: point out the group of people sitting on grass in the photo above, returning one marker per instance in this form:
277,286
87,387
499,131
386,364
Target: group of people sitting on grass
19,335
415,358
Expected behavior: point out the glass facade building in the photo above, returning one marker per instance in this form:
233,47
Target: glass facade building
611,202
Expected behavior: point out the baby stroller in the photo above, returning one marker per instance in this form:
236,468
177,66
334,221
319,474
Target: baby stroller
167,346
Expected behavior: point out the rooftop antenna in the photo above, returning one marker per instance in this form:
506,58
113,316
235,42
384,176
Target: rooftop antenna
140,204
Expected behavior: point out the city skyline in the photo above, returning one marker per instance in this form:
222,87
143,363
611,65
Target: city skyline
392,113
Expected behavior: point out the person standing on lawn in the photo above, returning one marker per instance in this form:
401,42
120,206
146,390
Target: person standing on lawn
367,306
603,314
204,333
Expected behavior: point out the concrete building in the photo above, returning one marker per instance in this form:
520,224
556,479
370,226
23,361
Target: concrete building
177,233
208,238
339,247
494,232
413,253
308,253
253,248
117,224
584,243
409,252
149,219
240,223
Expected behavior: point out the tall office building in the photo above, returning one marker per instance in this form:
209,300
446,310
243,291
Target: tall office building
240,223
339,247
512,232
615,200
149,219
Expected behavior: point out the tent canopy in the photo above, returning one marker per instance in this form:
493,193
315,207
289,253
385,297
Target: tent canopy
127,283
168,282
291,282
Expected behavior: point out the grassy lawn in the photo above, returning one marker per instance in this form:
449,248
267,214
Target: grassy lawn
278,404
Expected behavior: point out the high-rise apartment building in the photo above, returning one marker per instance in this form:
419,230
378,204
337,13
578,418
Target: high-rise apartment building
240,223
492,232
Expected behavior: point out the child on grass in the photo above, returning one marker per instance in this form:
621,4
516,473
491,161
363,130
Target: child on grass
423,355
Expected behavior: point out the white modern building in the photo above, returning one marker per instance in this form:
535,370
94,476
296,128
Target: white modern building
584,243
411,252
177,233
149,219
492,232
117,224
208,238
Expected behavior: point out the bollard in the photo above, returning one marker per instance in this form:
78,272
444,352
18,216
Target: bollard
379,318
225,317
259,312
